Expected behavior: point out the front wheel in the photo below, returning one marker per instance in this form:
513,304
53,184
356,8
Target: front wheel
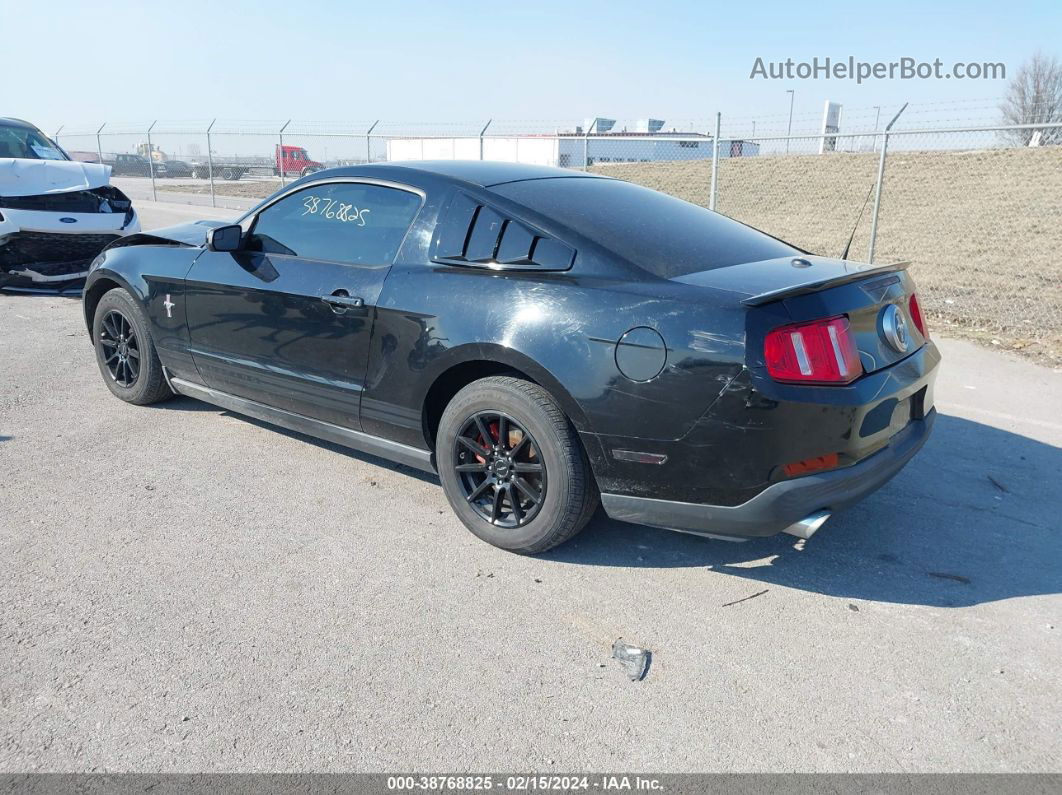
125,350
512,466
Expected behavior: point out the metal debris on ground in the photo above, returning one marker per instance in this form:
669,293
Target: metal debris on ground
998,485
746,598
943,575
634,659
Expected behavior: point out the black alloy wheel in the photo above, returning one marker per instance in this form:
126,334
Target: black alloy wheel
512,465
121,348
125,350
500,468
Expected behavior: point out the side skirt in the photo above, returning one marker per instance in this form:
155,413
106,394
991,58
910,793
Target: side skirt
356,440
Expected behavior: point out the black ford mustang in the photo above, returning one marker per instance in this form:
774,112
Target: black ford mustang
542,339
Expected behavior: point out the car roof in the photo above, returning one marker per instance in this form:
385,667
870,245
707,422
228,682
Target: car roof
13,122
482,173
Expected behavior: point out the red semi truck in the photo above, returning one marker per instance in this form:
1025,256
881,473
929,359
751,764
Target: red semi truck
289,161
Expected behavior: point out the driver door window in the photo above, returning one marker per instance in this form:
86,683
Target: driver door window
354,223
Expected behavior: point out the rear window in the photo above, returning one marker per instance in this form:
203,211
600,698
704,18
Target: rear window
661,234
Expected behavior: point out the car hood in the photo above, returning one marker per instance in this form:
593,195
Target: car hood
191,234
25,177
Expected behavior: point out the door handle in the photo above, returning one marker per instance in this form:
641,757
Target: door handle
340,303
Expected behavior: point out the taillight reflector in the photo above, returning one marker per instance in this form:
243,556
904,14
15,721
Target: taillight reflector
916,315
828,461
819,352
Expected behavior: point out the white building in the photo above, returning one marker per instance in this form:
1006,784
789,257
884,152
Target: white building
598,145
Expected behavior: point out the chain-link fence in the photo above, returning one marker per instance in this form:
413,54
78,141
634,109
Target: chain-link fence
974,209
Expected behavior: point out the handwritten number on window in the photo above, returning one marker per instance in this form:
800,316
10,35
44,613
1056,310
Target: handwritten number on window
334,210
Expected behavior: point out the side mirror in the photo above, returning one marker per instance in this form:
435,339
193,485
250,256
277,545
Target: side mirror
225,238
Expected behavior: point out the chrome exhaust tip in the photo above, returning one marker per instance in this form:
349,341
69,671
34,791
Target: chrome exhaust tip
807,526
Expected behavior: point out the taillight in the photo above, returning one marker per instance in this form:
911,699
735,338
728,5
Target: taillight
916,315
819,352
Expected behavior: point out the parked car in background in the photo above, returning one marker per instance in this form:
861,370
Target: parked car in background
56,214
177,168
130,165
83,156
541,338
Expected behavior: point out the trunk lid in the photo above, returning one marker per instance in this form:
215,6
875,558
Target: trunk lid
775,279
811,288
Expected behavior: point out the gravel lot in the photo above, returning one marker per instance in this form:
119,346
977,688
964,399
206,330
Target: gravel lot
186,590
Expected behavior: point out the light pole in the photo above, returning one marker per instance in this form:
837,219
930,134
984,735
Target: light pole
789,131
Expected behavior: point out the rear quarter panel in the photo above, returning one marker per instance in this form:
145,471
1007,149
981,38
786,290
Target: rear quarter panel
561,329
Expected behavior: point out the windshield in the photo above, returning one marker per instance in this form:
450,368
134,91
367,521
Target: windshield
661,234
25,142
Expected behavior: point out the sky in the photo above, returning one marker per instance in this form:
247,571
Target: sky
81,63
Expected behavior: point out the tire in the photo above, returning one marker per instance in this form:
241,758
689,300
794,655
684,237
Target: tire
120,325
565,484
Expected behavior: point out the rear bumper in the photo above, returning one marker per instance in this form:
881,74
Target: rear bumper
781,504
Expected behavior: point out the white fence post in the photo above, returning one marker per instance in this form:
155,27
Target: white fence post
210,165
481,134
280,154
368,141
715,160
151,162
877,188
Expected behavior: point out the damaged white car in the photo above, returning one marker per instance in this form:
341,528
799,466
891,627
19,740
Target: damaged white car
56,214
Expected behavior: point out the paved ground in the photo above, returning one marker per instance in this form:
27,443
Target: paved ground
187,590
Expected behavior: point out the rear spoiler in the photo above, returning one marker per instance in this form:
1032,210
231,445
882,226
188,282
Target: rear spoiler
815,286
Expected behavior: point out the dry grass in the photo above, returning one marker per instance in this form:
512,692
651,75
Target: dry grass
250,189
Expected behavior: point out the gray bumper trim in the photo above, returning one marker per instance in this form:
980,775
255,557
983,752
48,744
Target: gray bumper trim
781,504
